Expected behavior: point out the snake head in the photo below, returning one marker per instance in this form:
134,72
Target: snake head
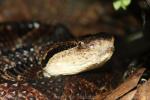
89,52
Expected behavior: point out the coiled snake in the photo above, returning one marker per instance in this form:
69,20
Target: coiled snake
36,56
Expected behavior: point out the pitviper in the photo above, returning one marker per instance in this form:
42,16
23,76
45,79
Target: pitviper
35,51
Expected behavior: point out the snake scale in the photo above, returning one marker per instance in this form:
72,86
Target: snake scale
35,59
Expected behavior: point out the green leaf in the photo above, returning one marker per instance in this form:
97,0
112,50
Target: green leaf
126,2
118,4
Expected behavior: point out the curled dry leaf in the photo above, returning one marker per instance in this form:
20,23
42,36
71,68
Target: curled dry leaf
125,87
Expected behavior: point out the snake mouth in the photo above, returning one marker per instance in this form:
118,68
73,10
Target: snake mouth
91,53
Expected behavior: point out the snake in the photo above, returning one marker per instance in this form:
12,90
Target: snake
36,51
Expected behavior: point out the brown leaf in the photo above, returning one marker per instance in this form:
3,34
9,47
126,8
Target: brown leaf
129,96
143,92
126,86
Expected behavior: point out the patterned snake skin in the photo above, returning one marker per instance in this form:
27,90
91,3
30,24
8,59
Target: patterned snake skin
21,47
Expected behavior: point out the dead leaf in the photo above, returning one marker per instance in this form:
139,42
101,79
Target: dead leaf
125,87
143,92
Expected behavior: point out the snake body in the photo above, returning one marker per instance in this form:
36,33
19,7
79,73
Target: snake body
23,57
